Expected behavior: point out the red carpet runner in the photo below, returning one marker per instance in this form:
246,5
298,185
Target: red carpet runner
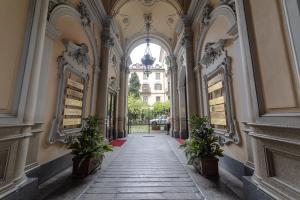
180,141
118,143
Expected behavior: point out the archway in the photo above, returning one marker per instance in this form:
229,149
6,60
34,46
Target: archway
148,95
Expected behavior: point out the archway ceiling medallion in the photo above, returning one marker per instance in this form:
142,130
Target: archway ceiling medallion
130,18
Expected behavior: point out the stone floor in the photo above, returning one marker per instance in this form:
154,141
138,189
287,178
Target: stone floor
146,168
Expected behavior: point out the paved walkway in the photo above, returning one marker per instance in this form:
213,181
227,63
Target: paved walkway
146,168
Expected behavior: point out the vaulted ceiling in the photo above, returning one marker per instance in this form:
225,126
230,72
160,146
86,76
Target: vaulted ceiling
129,15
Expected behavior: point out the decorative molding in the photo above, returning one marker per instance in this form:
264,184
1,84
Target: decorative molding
218,62
74,60
209,14
16,113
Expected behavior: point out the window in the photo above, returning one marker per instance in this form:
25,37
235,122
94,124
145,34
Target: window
145,99
158,86
145,86
145,77
157,76
158,99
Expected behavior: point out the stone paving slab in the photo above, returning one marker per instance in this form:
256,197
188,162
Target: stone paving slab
146,169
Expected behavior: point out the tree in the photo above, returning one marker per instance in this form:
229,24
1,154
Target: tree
135,107
134,85
160,108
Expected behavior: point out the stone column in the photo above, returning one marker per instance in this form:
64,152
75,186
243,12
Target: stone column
122,97
126,99
32,96
170,91
101,107
174,97
183,133
96,71
199,90
187,43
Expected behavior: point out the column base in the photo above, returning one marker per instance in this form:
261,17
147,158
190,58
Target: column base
26,191
184,134
120,134
176,134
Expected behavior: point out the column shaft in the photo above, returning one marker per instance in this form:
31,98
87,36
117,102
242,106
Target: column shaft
121,104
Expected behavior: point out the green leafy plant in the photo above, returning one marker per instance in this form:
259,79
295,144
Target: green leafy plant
90,143
203,143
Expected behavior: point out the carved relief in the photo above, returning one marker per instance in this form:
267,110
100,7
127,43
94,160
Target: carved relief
85,17
72,90
213,50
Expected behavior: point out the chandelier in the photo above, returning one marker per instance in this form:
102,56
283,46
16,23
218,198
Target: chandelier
147,60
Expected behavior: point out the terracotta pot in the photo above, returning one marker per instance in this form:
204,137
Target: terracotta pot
87,166
208,167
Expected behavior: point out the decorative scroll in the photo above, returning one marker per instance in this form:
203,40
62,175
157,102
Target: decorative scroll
72,92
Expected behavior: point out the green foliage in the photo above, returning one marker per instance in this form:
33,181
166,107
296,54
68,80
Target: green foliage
134,85
202,143
90,143
160,108
135,107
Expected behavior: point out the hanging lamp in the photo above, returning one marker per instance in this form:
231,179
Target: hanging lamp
147,60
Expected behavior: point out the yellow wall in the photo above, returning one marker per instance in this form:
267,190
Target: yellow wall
13,21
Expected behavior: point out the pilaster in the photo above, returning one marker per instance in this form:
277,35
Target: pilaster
187,44
175,105
101,107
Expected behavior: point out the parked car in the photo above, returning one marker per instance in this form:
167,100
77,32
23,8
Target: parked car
162,120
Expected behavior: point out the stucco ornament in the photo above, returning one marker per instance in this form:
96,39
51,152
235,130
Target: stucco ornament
206,14
80,54
85,18
213,50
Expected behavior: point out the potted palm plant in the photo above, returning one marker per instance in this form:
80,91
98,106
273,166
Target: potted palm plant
89,148
202,148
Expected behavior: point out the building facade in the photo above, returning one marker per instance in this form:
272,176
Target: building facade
234,61
154,88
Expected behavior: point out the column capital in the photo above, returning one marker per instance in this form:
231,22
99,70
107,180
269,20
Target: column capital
107,40
106,37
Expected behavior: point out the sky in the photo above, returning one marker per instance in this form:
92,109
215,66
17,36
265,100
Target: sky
139,51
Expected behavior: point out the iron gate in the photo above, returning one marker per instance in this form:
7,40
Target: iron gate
148,122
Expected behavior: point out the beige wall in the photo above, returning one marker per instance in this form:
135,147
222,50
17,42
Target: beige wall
275,73
216,31
13,21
